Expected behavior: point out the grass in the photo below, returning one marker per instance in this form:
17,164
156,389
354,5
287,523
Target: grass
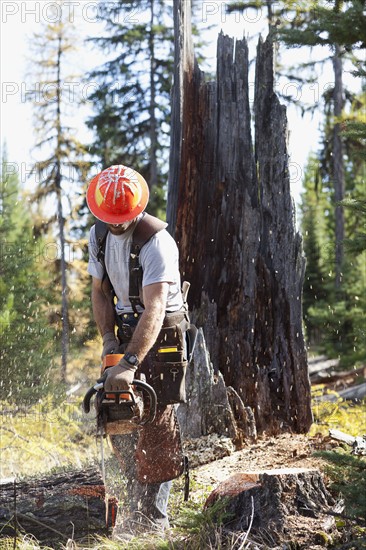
45,436
343,415
348,478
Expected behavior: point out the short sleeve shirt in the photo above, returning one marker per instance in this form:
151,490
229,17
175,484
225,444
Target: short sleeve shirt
159,259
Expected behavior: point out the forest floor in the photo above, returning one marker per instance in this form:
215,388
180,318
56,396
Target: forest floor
67,439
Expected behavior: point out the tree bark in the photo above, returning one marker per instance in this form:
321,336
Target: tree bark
274,501
232,215
70,505
208,410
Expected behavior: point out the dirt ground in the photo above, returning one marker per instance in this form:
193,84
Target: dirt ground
283,451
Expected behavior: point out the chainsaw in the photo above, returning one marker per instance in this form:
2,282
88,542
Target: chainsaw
120,412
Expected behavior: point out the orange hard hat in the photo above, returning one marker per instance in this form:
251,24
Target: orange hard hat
117,194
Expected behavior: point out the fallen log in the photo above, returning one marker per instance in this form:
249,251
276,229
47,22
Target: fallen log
281,502
331,376
358,443
321,364
56,508
354,393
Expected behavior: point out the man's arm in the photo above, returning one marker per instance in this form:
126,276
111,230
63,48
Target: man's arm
102,305
154,296
103,313
151,320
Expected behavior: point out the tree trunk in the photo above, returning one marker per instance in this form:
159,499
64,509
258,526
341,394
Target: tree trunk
338,170
61,223
233,217
70,505
153,175
63,267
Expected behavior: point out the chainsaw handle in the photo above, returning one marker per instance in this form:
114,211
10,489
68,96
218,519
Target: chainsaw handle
153,399
139,385
89,394
86,401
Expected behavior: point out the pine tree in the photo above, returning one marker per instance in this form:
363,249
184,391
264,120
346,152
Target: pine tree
27,351
315,204
132,100
335,320
62,166
341,27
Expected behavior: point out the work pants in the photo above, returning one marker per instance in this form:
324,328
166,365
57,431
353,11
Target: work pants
145,503
150,458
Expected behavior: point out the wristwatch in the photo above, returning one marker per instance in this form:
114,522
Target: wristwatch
132,359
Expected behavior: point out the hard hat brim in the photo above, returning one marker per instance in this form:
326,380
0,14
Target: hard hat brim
117,218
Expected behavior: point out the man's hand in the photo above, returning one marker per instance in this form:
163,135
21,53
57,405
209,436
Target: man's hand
110,343
119,377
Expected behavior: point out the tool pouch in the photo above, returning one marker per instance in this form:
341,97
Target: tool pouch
169,381
168,363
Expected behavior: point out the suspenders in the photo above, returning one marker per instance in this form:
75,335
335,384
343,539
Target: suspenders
146,228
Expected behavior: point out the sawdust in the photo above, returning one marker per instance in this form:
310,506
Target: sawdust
214,459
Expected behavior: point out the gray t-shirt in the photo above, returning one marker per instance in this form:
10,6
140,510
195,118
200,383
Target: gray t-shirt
158,258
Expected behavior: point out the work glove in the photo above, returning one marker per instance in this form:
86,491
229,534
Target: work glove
110,343
119,377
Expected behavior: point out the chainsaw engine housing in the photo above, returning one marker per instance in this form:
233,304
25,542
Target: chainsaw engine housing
118,413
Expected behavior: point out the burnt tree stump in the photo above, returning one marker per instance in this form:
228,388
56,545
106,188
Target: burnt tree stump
232,214
55,508
278,502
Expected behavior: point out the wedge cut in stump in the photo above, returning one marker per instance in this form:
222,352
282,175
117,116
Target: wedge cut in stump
274,504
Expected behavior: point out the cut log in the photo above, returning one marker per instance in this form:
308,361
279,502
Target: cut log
68,505
273,501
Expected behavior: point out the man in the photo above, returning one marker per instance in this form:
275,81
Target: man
150,320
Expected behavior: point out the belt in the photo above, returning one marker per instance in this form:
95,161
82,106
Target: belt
171,319
129,317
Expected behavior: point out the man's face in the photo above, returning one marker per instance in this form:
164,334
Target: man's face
119,228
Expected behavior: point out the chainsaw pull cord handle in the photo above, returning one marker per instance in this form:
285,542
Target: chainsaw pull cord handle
139,385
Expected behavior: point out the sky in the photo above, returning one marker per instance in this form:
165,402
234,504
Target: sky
21,18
